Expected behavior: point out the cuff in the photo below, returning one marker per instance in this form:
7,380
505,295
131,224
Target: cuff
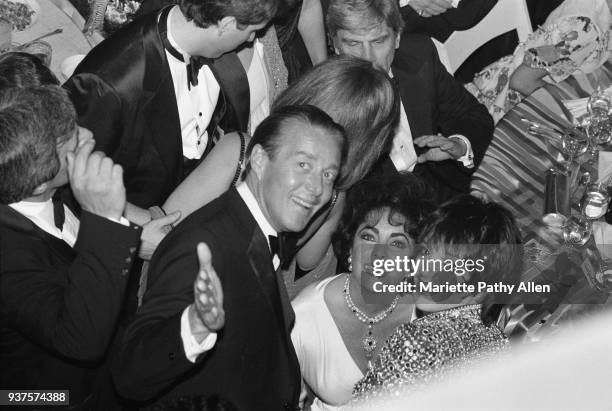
468,158
123,221
190,345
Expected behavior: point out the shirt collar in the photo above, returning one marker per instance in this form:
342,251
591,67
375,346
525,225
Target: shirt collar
251,202
171,39
40,213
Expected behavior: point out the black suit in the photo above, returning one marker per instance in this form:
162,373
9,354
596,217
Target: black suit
123,93
60,305
253,364
435,102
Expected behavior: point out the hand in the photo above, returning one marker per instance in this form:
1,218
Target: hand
428,8
153,232
97,182
206,313
440,148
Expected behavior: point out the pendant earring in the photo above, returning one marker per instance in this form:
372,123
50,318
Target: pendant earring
350,265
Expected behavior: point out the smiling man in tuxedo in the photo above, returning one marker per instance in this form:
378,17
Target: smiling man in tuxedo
232,341
154,93
443,131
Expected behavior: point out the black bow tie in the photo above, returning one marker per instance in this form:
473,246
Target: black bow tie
278,246
194,64
59,216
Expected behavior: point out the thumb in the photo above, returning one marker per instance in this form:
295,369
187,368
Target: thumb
168,219
422,158
204,257
70,163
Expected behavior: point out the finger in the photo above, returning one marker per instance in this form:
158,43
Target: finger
204,257
216,287
70,164
448,146
82,154
106,168
92,166
168,219
117,173
431,141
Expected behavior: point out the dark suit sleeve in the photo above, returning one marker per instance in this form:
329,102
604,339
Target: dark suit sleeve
99,109
152,357
73,314
467,14
458,112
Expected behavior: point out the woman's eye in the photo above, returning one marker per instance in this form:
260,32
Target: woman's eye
399,244
367,237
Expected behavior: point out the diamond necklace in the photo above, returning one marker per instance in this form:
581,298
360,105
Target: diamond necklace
368,342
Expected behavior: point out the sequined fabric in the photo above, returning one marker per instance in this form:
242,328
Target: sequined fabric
421,351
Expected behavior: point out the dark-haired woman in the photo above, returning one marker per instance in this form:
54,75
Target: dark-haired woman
342,321
463,329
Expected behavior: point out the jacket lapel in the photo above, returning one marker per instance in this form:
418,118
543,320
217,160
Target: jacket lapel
232,78
260,260
159,100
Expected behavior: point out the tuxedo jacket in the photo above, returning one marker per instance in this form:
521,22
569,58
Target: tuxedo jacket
467,14
253,364
435,102
123,93
59,305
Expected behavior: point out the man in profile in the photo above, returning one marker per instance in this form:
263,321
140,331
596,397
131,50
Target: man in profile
232,339
63,266
443,131
155,92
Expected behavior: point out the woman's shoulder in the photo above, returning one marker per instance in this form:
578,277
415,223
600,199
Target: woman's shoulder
312,295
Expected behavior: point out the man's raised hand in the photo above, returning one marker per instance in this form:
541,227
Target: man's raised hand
208,297
96,181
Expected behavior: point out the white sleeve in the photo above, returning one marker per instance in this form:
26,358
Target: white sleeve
190,345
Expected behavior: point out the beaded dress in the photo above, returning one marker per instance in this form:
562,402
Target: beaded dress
421,351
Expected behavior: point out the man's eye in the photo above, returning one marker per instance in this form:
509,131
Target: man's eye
330,176
304,165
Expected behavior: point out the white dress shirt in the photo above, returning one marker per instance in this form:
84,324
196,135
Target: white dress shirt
41,214
195,105
259,86
190,345
402,153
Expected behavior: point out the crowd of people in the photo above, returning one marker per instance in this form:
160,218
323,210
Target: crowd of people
190,221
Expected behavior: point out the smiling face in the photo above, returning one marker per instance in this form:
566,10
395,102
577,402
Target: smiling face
376,43
297,179
380,236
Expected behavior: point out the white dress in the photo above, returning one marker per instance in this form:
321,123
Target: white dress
327,366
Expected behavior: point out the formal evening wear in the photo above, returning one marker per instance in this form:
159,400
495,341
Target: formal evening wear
327,366
59,305
425,349
252,364
434,102
124,93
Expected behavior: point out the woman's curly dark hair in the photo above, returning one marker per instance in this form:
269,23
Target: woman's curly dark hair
404,194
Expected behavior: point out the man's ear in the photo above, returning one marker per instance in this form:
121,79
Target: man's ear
226,23
259,160
40,189
398,37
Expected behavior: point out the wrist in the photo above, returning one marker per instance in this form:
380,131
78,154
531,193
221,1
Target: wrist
199,331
